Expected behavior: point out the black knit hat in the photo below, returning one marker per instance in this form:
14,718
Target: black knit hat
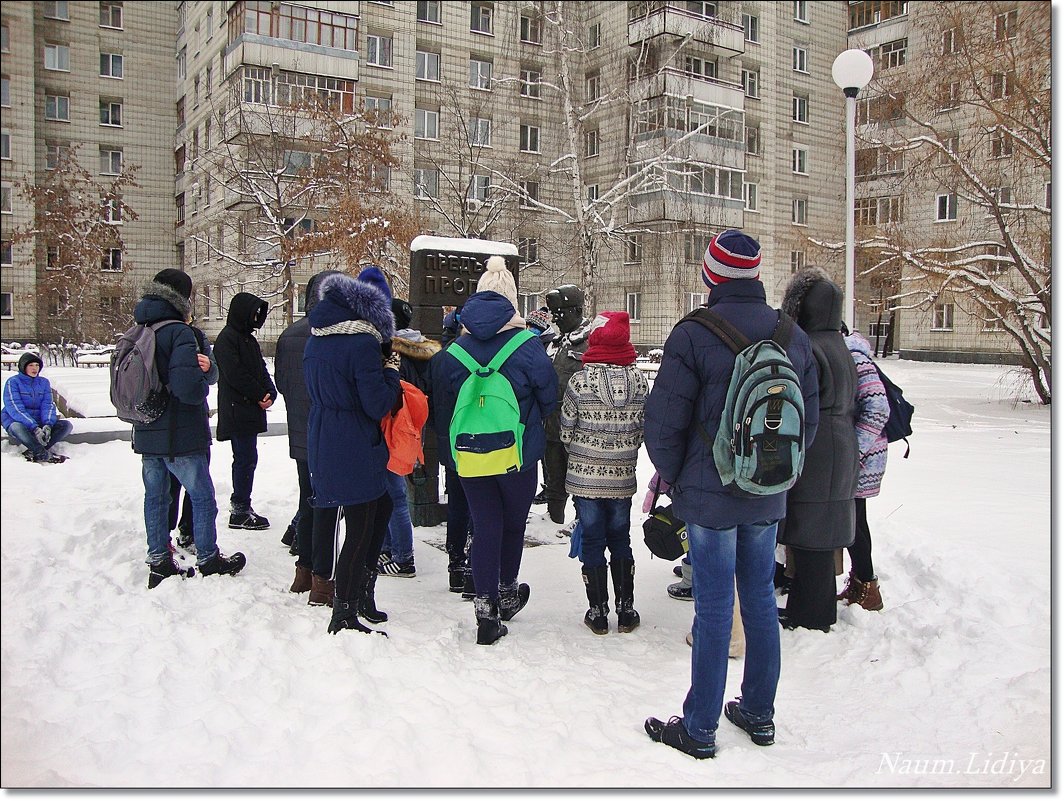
402,312
177,280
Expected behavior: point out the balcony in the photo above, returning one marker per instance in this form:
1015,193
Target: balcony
672,206
667,20
677,83
291,56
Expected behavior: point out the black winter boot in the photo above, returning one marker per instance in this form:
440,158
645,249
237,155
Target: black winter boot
489,629
367,602
598,597
556,510
623,572
512,599
164,569
345,616
455,572
223,565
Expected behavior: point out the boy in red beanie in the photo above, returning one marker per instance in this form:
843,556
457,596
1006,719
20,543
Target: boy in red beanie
602,429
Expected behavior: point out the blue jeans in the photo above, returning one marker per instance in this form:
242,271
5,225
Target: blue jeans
744,557
399,541
23,435
245,458
605,523
195,476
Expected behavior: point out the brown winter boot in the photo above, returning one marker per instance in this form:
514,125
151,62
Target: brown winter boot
321,591
303,580
863,593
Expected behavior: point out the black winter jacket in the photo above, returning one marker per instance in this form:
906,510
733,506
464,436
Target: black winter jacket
243,379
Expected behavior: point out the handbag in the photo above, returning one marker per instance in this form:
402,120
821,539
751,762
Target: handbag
665,535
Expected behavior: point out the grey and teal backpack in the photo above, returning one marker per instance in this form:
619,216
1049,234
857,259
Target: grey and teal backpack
759,448
486,432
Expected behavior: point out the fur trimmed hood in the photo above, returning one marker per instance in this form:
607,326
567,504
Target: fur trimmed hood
813,300
346,298
170,295
420,351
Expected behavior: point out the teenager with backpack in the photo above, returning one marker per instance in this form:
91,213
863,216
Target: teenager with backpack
602,428
178,441
353,381
499,503
732,537
820,508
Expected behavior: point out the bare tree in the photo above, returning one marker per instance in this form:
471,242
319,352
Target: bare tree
77,228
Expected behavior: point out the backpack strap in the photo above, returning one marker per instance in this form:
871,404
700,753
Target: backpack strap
731,336
781,334
504,353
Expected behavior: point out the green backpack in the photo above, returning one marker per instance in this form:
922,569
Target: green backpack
486,431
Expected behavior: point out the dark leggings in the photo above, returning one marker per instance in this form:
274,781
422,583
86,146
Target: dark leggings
365,527
305,516
499,507
811,602
861,550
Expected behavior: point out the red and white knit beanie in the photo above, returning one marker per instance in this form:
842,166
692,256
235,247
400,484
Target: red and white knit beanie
610,340
731,255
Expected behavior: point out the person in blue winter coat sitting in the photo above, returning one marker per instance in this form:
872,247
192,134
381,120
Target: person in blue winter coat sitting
29,415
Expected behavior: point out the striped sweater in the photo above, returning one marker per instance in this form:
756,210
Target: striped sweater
602,429
872,411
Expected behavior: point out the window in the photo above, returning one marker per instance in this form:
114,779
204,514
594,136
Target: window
700,67
7,253
951,41
892,54
380,109
528,252
999,259
296,161
480,132
208,80
57,107
633,252
112,212
6,307
111,15
5,92
751,80
529,138
950,145
1049,194
592,193
6,198
426,66
877,211
799,59
111,262
799,211
379,50
53,154
379,175
702,8
428,11
801,11
946,207
696,300
530,83
56,9
182,62
594,36
949,95
52,260
111,112
427,182
110,65
591,143
631,305
5,39
57,57
479,186
529,193
591,87
1002,197
942,319
480,18
800,160
479,73
1000,145
751,25
1002,84
110,162
531,28
800,109
750,196
753,140
5,145
1004,25
426,124
797,260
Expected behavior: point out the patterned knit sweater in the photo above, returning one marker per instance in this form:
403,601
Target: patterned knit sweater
602,428
872,411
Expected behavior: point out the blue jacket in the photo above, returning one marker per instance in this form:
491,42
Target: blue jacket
28,400
350,392
183,429
691,386
529,371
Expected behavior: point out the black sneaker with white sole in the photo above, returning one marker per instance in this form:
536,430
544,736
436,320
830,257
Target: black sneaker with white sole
248,520
763,733
681,592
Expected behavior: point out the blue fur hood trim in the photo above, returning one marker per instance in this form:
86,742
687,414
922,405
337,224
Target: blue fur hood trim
345,298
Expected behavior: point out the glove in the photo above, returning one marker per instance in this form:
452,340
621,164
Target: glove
386,349
41,435
392,361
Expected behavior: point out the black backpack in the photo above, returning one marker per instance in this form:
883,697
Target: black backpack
899,424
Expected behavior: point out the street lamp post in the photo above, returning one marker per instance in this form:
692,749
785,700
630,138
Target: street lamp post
852,71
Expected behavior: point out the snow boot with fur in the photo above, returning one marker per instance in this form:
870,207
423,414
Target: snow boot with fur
321,591
623,572
863,593
598,598
489,628
512,599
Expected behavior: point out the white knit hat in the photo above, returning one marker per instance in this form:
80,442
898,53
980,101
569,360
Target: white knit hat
498,279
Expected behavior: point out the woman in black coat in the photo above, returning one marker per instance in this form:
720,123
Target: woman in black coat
245,392
820,507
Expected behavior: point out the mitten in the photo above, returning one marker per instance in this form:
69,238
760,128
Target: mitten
392,361
41,436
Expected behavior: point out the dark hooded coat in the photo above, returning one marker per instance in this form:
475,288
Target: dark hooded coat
820,509
243,378
183,428
528,370
288,370
350,392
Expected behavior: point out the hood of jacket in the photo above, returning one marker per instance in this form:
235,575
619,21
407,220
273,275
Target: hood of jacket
314,289
858,344
615,386
813,301
419,349
485,314
26,359
246,312
161,302
346,298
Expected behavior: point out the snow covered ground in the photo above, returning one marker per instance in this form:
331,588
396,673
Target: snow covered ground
234,682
